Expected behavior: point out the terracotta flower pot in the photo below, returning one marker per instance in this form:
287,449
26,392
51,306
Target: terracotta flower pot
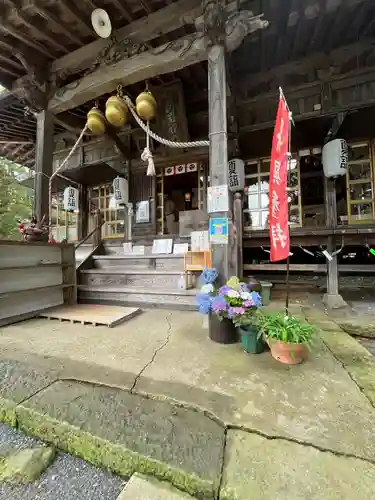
289,354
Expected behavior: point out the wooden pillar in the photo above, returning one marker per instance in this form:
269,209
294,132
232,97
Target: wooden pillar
332,299
218,163
83,212
43,163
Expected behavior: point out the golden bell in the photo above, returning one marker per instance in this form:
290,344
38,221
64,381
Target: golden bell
96,121
146,106
116,111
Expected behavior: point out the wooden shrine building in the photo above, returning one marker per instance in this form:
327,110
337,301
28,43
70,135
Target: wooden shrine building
214,68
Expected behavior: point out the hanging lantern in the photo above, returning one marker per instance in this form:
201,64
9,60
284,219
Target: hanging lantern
96,121
120,190
116,111
113,205
335,158
146,106
71,199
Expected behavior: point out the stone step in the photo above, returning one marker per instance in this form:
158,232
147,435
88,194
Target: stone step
141,488
145,297
167,262
118,276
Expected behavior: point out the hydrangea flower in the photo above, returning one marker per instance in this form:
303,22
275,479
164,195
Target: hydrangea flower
219,304
244,288
256,298
204,302
209,288
233,294
234,311
208,276
223,291
249,303
245,295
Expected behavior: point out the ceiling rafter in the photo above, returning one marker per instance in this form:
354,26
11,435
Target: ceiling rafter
14,64
78,16
32,27
59,24
123,11
38,47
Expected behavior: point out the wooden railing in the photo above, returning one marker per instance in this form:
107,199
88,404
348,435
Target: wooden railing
96,232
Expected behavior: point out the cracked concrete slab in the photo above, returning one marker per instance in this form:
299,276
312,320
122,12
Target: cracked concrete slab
316,402
82,351
266,469
19,381
141,488
127,433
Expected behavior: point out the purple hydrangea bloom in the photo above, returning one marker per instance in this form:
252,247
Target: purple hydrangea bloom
208,276
249,303
224,290
219,304
204,302
235,311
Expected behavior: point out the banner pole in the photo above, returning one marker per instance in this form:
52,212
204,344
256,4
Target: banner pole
287,194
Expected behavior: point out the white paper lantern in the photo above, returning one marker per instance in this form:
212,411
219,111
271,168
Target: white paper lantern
113,205
71,199
236,175
335,158
120,190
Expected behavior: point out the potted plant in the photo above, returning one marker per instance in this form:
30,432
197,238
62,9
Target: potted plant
237,303
222,328
288,337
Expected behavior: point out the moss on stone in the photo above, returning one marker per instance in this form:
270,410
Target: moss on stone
111,456
355,358
25,466
8,412
357,328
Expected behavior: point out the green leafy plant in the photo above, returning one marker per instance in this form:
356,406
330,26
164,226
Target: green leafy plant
286,329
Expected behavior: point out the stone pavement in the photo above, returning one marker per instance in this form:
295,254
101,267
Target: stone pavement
156,396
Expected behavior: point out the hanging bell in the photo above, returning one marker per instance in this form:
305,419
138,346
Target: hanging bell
96,121
116,111
146,106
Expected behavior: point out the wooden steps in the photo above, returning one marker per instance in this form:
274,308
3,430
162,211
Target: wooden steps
139,296
146,281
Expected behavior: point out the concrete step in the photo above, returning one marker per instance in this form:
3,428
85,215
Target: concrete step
141,488
167,262
137,296
119,276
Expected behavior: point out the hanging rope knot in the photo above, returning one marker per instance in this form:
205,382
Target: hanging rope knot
147,156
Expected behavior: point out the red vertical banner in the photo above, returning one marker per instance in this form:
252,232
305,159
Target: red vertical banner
278,204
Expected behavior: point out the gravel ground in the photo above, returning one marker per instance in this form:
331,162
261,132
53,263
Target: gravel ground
68,478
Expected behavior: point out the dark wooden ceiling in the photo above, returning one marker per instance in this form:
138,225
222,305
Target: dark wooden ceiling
300,31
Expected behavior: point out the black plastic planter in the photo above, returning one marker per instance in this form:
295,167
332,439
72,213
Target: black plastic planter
222,332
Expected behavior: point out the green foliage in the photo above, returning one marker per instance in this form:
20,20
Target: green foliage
288,330
15,200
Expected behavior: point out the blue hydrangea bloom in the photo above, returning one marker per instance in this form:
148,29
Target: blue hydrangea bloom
208,276
204,302
256,299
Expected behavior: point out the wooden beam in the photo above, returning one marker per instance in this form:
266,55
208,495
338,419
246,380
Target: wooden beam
171,56
124,150
156,24
333,61
45,14
123,11
9,30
